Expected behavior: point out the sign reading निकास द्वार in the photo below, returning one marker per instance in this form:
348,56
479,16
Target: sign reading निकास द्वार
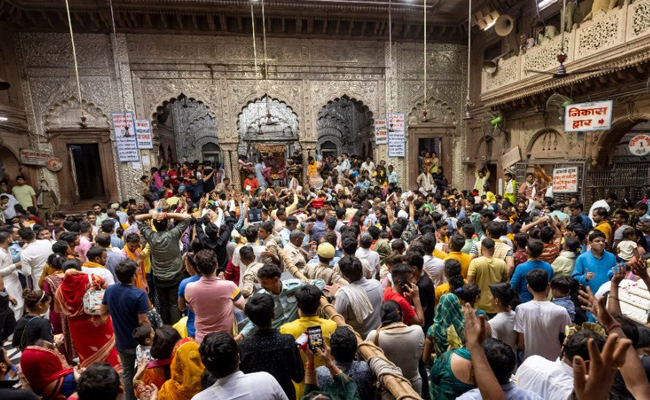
396,135
640,145
144,135
584,117
125,137
565,180
381,132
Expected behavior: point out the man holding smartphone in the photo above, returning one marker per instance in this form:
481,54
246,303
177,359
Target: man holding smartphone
308,299
403,292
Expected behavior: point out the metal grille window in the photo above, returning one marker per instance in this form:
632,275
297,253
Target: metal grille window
629,180
521,169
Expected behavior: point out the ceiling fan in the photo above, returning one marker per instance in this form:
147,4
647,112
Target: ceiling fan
561,71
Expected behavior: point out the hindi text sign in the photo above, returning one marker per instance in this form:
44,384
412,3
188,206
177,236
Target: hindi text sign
583,117
396,135
640,145
34,157
125,137
143,132
381,132
565,180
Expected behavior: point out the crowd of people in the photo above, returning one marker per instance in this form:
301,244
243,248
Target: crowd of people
186,293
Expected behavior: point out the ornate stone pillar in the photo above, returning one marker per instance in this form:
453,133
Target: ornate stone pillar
129,176
230,164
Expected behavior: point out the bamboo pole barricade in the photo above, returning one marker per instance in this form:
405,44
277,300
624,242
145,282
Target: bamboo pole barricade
388,374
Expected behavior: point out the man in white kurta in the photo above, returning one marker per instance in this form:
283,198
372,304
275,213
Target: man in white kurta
9,274
34,257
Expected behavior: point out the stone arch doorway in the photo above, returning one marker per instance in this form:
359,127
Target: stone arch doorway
431,128
612,144
10,167
268,133
614,168
86,152
347,123
183,125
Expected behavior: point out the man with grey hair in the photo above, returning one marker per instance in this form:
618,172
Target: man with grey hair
371,256
294,249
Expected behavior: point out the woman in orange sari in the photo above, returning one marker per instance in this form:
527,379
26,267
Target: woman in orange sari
158,371
92,335
186,370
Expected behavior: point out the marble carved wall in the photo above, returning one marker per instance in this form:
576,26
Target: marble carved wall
140,72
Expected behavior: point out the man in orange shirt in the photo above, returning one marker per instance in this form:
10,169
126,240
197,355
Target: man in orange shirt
455,245
251,186
599,216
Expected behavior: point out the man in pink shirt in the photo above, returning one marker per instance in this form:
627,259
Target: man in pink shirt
212,299
84,241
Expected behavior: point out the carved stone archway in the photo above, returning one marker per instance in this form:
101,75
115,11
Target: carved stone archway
67,114
264,120
347,122
185,124
547,143
607,141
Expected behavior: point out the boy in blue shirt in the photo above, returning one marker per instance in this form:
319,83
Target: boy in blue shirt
535,248
592,268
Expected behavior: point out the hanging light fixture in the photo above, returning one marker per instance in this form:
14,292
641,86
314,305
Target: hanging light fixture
424,106
76,66
468,101
269,116
390,66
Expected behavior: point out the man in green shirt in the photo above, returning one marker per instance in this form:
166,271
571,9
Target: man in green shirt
24,193
166,259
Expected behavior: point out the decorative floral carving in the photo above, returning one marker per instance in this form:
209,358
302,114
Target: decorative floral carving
640,18
506,74
544,57
599,35
437,111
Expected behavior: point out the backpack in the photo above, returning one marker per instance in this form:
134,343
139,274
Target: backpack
92,300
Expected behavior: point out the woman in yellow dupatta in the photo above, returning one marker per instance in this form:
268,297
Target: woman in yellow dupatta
132,251
186,371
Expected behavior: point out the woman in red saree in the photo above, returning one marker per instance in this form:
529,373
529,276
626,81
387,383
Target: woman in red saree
59,322
48,373
92,335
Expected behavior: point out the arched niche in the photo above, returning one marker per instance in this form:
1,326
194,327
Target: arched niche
266,120
437,112
547,143
66,114
608,142
185,124
346,122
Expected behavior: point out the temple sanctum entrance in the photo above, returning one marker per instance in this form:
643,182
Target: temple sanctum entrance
345,126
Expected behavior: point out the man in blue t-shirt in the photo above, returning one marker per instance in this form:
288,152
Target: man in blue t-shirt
593,267
535,248
189,267
128,307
